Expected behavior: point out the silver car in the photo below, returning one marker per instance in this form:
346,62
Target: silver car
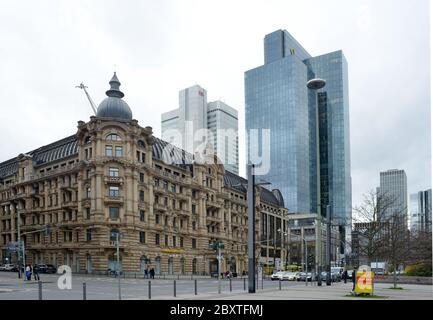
290,276
277,276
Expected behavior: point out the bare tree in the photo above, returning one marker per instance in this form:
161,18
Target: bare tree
396,247
370,220
420,247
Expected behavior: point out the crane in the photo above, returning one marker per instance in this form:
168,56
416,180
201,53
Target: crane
82,86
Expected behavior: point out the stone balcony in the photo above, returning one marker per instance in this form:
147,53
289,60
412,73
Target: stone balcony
113,180
113,199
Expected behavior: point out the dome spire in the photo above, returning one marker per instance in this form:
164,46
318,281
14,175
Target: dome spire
113,106
114,88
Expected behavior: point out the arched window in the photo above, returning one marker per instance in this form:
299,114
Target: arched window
112,263
89,264
158,265
144,263
113,137
141,144
170,265
182,265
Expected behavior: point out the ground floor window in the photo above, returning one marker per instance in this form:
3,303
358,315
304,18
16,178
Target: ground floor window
144,263
158,265
89,266
194,266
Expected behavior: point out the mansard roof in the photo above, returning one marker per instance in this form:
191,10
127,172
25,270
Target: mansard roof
162,150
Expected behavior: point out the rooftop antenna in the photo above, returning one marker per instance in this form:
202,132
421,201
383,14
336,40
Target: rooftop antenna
92,104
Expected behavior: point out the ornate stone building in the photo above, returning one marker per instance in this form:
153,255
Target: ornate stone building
113,176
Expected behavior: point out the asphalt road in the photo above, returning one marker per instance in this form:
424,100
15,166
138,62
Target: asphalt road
106,288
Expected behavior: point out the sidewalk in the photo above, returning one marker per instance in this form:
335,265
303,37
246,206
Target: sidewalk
335,292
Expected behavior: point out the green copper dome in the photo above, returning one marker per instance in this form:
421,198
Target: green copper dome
114,106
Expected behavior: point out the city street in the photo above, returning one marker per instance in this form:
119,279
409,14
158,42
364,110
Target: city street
105,288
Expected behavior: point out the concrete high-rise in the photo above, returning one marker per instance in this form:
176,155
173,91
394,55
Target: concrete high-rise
309,130
420,211
393,186
199,122
222,123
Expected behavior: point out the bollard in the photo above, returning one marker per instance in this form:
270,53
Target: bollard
230,285
150,290
262,283
40,289
174,288
84,291
245,284
279,282
195,286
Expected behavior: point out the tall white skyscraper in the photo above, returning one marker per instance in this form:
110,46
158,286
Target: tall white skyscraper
222,122
184,126
393,184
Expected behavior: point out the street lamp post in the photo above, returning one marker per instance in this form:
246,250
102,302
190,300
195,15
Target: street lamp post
251,198
328,245
251,230
317,84
19,241
118,264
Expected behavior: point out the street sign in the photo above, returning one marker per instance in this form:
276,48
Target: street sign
13,246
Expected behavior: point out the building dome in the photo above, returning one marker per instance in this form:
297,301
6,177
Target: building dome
114,106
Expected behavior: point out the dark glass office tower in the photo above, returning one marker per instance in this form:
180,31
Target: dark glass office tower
310,139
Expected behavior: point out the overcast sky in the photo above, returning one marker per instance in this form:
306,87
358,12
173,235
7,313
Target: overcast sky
161,47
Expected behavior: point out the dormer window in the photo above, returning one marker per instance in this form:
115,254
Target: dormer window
113,137
141,144
87,140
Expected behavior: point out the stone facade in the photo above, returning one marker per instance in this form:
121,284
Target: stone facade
115,176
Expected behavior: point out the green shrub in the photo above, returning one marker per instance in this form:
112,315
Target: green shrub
419,270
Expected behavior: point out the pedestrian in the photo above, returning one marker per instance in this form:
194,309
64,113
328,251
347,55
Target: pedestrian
152,273
36,273
28,273
354,278
146,273
344,276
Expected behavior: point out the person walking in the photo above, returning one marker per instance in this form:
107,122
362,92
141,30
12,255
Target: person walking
28,273
152,273
146,273
354,278
36,273
344,276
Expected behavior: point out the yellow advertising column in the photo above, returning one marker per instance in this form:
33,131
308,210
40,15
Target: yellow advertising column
364,282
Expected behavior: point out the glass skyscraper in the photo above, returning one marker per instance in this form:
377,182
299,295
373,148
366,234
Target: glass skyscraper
309,130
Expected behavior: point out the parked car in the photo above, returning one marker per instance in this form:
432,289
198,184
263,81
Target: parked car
335,277
45,268
2,267
9,267
277,276
290,276
304,276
